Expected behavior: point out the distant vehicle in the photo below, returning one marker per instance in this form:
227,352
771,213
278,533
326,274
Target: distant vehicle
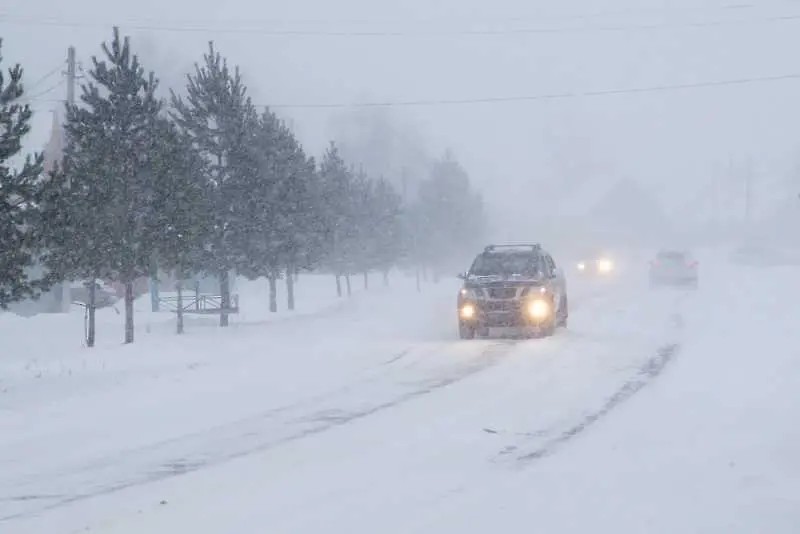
674,268
512,287
599,264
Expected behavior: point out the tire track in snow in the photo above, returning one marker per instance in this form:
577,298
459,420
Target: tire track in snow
229,441
356,381
645,375
233,441
381,371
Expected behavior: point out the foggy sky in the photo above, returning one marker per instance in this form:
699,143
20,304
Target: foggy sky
675,143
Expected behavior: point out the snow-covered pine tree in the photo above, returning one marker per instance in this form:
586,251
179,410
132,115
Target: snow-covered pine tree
19,192
261,238
280,204
451,214
302,246
183,216
363,241
77,244
335,208
293,222
220,119
112,134
390,236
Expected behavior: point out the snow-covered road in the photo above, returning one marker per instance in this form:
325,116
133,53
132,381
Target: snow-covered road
373,418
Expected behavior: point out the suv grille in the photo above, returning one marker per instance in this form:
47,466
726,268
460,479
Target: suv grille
501,306
503,292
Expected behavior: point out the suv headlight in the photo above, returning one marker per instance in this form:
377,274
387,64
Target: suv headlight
539,309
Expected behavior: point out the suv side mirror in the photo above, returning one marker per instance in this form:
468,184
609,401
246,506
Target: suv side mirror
462,276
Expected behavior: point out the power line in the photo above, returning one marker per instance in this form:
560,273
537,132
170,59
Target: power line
551,96
532,16
37,96
792,17
45,77
539,97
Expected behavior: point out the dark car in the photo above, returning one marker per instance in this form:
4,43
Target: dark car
512,287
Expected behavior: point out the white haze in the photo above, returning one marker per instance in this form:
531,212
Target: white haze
535,161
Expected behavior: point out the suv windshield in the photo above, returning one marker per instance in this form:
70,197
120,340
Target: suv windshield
506,264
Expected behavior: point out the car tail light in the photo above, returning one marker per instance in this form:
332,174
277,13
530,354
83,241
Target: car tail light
693,264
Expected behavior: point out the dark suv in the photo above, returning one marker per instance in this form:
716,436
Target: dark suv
513,287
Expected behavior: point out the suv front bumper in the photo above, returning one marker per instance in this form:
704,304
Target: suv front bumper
506,314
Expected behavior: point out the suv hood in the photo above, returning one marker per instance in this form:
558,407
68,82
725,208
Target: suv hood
505,281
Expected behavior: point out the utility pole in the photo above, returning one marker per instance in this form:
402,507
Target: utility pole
65,293
71,68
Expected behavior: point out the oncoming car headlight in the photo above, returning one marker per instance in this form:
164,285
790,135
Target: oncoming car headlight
539,309
604,265
581,266
467,311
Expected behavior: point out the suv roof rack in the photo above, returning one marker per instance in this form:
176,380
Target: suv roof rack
534,247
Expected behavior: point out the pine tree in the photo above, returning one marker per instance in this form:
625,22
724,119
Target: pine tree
181,204
220,119
281,236
451,214
335,210
390,241
110,165
302,244
20,192
76,245
261,239
363,218
294,222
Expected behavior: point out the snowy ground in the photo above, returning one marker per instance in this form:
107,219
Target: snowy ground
665,411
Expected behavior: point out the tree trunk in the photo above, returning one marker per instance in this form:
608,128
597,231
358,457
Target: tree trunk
273,293
338,285
347,282
225,297
90,308
128,312
290,280
179,289
153,280
155,303
366,280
